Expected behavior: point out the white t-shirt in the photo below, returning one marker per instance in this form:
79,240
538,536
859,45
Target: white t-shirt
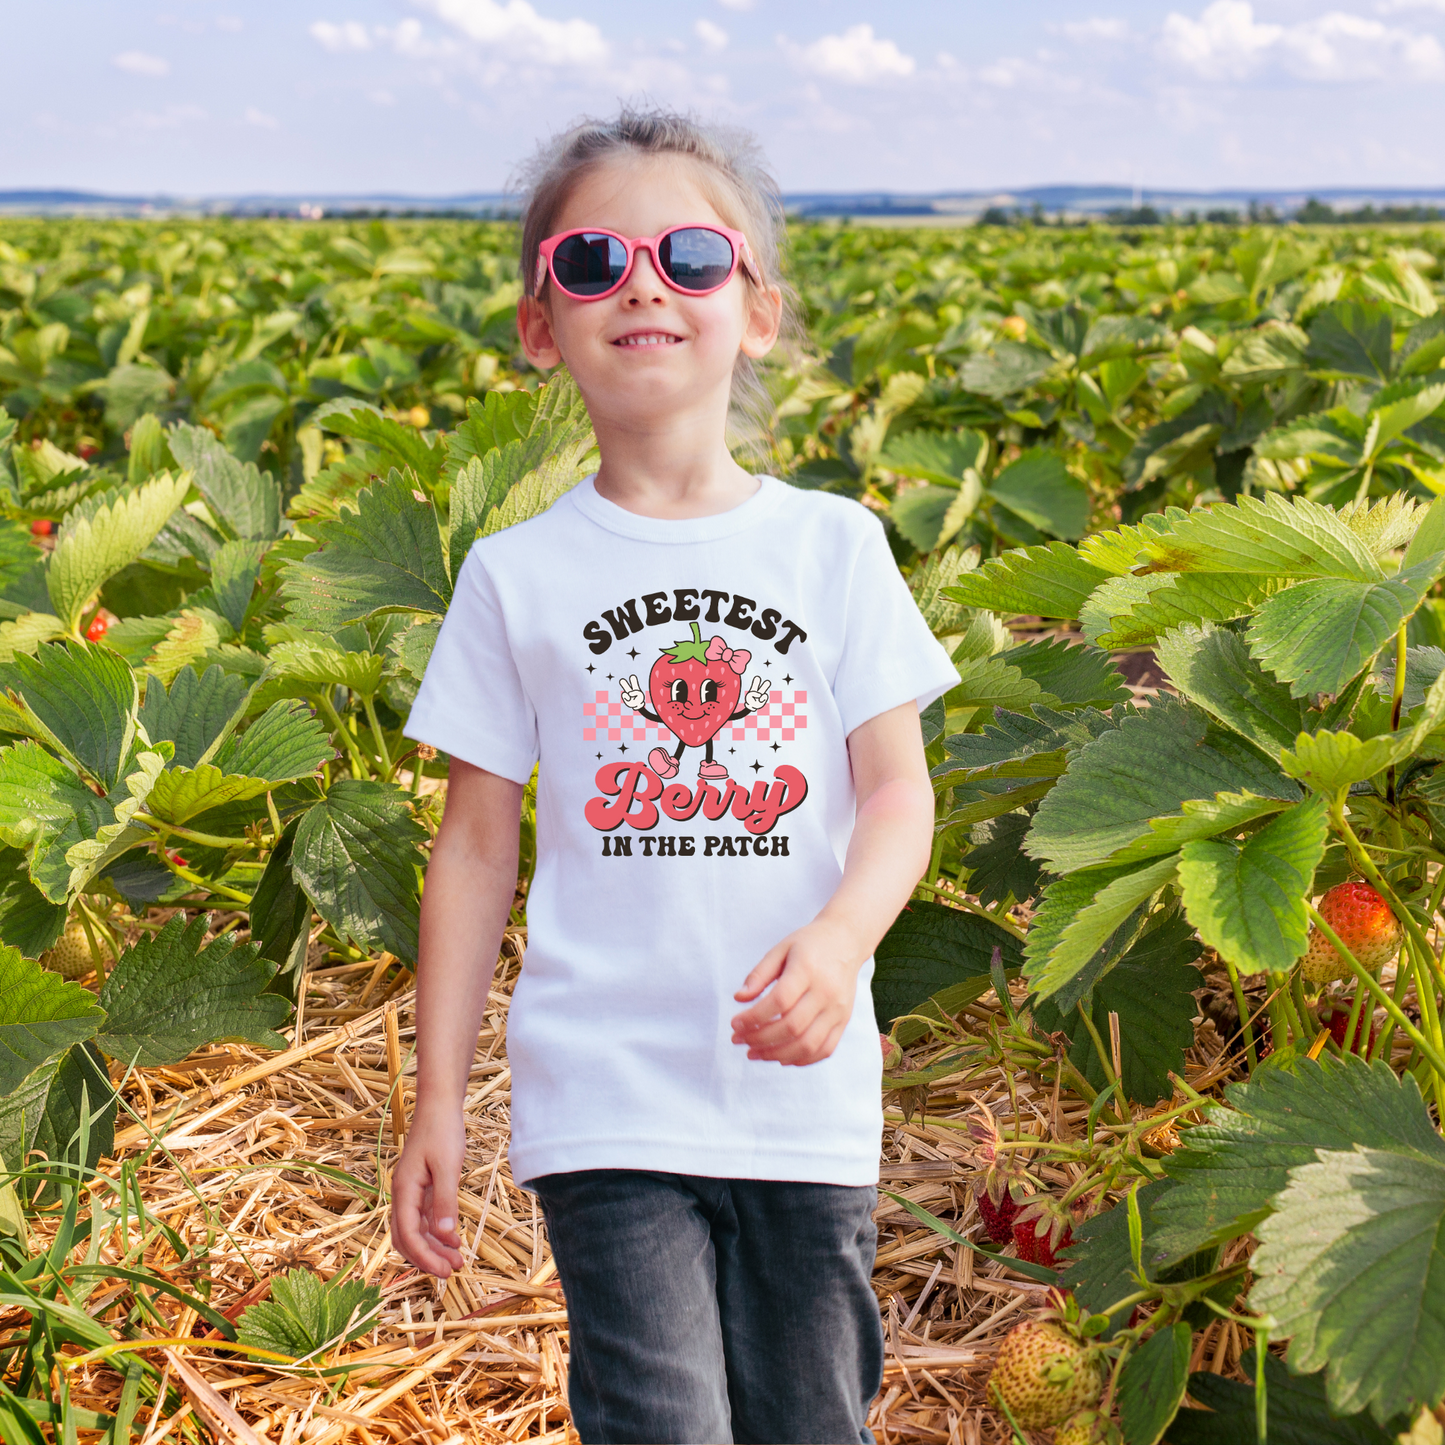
623,651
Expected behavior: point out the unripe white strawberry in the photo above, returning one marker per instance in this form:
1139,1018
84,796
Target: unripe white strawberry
70,957
1363,921
1044,1375
1088,1427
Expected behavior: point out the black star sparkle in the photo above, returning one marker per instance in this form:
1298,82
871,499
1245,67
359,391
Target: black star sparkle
756,766
788,678
732,750
775,747
767,662
590,668
609,677
623,748
599,755
632,652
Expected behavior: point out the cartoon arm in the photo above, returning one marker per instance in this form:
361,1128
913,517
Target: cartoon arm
634,699
755,699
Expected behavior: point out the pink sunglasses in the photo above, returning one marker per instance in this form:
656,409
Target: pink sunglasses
695,260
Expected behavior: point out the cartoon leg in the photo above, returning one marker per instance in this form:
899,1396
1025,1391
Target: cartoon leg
663,763
710,771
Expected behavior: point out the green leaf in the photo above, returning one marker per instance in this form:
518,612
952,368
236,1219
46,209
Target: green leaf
1012,368
80,1087
1073,675
557,474
323,667
1352,1266
1212,667
1048,581
1145,768
1429,536
1397,417
1152,1384
1351,339
919,514
197,709
281,915
1151,988
244,499
384,557
1228,1170
990,682
39,795
41,1015
1385,523
191,637
1090,917
115,833
942,569
284,743
171,993
1026,745
1297,1412
90,549
78,698
1039,488
180,794
932,949
1274,535
1137,611
1318,635
413,647
306,1316
356,855
477,490
935,456
1248,901
998,866
234,570
401,446
1267,353
29,921
26,633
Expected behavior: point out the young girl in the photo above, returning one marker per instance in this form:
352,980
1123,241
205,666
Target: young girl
721,677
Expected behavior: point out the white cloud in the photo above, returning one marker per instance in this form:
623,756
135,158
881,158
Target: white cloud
1224,43
171,118
517,30
1096,28
261,119
137,62
736,4
857,56
231,24
348,35
713,36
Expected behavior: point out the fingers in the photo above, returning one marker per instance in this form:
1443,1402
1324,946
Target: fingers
424,1214
766,971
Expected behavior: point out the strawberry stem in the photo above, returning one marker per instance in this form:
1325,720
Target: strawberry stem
693,650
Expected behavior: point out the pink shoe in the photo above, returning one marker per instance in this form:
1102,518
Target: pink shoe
713,772
662,762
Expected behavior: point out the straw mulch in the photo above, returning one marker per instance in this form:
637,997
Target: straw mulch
485,1359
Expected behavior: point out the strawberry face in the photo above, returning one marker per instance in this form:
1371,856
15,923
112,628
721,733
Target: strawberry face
693,694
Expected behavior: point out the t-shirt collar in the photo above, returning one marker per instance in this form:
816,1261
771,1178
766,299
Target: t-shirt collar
667,529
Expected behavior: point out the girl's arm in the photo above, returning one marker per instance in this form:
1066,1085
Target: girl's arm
814,971
470,883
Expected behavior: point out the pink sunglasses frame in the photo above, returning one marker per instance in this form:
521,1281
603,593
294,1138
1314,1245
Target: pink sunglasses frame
742,256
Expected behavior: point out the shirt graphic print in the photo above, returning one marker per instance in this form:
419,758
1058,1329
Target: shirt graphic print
689,687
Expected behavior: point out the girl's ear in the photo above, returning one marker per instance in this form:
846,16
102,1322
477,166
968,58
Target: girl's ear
765,317
534,329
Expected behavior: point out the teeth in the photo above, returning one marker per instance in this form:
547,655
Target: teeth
653,339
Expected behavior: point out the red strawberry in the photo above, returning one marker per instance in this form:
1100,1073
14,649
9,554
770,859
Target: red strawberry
99,626
1041,1213
41,527
1336,1018
693,693
1365,925
86,450
997,1214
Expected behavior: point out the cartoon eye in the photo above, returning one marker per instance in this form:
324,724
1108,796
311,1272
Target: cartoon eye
709,690
679,689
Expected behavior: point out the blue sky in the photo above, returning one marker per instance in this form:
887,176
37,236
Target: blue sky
446,96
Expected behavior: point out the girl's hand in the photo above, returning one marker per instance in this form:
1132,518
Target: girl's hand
424,1193
814,973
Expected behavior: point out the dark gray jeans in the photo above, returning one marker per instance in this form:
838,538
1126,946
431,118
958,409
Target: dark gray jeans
704,1311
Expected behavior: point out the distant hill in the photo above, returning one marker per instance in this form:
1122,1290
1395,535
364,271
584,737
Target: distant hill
1060,200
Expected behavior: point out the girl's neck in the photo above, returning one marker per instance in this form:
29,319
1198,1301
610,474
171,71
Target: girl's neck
675,472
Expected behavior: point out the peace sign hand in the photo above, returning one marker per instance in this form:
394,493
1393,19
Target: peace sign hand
633,697
756,697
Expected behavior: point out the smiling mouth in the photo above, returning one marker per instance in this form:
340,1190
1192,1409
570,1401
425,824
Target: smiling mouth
648,338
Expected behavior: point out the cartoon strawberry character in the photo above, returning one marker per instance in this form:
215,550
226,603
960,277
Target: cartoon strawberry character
694,687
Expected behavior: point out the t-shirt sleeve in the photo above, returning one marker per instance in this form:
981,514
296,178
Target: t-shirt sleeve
471,703
889,656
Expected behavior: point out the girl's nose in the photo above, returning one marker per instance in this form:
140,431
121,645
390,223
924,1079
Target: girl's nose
644,284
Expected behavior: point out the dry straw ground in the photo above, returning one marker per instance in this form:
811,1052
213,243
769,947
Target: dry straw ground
251,1166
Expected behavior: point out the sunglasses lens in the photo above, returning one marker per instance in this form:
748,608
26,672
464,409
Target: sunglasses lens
587,264
696,259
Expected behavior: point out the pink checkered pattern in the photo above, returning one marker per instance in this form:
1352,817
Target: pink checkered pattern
779,719
606,719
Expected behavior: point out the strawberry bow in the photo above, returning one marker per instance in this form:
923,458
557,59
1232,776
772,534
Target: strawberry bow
735,657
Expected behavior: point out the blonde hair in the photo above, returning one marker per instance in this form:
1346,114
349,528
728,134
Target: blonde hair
732,173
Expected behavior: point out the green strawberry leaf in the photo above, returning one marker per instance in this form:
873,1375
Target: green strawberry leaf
170,994
384,557
1248,901
356,855
1318,635
1047,581
306,1315
1038,487
234,570
1137,611
934,951
285,743
194,712
934,456
998,867
29,921
400,446
1351,1264
41,1015
1152,1384
180,794
79,1088
316,667
1073,675
244,499
1227,1171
